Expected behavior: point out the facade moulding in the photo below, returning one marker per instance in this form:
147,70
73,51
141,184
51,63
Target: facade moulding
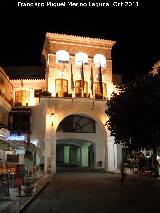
79,40
82,44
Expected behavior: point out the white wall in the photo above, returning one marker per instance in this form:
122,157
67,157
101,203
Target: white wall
62,107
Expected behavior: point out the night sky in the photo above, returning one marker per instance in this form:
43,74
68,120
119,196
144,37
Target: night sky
134,28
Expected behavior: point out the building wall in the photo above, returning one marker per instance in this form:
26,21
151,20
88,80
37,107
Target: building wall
6,97
6,88
30,86
105,150
60,71
46,135
42,132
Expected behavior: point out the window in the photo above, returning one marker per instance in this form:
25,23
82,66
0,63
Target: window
78,88
61,87
77,123
62,56
99,60
81,57
97,90
19,122
37,92
22,97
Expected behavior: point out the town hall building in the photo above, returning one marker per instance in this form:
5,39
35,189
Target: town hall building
60,107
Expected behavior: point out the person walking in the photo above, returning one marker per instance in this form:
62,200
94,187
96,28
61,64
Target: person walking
123,173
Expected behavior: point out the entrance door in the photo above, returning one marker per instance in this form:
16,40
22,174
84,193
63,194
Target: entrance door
61,87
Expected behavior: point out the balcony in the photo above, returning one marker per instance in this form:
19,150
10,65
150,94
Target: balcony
19,120
5,103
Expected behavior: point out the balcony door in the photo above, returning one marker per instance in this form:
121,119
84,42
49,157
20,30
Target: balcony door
97,90
78,89
61,87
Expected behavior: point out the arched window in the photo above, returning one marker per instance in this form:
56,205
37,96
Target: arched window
99,59
81,57
77,123
62,56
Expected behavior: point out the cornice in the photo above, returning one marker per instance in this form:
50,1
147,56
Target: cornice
79,40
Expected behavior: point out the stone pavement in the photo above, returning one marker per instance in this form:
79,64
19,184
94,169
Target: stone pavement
95,192
16,204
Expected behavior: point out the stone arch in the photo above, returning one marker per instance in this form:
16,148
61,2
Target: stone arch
100,145
87,115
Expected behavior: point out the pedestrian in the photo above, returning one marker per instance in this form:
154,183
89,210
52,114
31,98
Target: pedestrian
123,173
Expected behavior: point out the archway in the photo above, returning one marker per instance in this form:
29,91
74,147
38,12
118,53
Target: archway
74,153
80,143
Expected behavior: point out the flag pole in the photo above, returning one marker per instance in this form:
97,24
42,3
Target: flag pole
100,81
82,80
92,83
72,82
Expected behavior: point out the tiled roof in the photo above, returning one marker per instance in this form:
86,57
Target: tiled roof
29,72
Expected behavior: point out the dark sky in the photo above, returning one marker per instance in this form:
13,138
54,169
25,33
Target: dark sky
135,29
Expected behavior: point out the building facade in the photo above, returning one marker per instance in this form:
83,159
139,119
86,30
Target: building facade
61,109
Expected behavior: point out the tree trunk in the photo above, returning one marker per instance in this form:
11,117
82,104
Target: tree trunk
155,162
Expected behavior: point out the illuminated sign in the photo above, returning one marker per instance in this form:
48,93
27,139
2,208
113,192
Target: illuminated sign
16,138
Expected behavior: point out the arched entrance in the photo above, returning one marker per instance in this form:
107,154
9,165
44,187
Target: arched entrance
73,153
80,143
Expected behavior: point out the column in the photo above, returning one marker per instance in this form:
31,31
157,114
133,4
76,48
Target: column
84,155
79,156
47,159
112,154
106,156
50,149
99,157
66,154
53,154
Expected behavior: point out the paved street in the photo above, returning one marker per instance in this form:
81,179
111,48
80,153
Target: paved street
75,192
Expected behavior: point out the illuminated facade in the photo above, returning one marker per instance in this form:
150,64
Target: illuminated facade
67,105
156,67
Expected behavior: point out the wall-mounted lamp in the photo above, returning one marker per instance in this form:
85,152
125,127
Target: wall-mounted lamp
52,118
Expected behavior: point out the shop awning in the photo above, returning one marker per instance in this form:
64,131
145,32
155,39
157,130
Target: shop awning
22,145
4,145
